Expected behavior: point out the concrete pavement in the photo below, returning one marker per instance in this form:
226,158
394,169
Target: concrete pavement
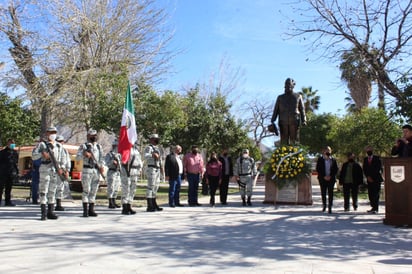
224,239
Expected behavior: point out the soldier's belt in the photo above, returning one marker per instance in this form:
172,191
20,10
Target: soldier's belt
153,166
134,167
45,162
245,174
113,169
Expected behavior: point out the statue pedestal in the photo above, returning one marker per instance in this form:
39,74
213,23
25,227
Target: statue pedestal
295,194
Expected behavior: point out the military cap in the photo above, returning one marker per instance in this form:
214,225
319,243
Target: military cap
154,136
92,132
245,150
60,138
51,129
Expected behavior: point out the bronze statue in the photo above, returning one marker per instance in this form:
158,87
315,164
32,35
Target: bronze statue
291,111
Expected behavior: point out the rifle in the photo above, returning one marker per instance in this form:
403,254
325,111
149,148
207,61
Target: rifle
89,149
54,161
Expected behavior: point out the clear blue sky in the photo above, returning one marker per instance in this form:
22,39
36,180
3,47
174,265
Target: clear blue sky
251,35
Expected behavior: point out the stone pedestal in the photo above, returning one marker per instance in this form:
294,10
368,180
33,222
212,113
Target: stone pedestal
298,194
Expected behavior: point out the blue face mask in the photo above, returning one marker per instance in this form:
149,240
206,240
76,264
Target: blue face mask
12,146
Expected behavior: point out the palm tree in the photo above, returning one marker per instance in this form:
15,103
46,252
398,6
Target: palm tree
350,104
358,77
310,99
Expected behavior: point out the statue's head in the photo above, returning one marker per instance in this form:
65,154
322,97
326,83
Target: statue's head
289,85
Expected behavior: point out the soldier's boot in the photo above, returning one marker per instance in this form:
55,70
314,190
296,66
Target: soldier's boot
114,203
157,208
91,210
43,212
50,212
150,207
59,205
111,205
125,209
243,201
249,203
85,210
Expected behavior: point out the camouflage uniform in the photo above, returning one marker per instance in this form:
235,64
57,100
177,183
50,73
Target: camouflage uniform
113,163
90,172
153,170
245,169
130,176
60,182
48,173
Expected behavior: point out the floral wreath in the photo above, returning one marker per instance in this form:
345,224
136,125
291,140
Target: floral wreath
288,164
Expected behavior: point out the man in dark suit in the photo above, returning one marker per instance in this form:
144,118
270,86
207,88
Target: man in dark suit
327,169
173,174
372,168
403,146
9,171
227,172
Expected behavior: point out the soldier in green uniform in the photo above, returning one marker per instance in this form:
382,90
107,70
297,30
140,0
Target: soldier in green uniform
153,169
244,171
52,160
93,166
113,163
129,177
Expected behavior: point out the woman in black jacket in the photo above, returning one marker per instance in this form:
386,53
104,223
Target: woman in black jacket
351,177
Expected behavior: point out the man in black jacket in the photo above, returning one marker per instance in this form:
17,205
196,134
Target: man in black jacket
227,172
327,169
351,177
173,174
372,168
403,146
8,171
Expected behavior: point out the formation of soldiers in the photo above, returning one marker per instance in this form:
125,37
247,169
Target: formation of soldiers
56,164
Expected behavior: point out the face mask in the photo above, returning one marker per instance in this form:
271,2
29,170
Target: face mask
244,155
194,151
369,153
52,137
155,141
12,146
327,154
93,139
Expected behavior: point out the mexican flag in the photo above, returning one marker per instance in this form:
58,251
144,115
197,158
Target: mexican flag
128,134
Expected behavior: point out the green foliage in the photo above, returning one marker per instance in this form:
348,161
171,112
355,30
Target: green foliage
17,122
106,101
315,135
190,120
161,114
370,126
310,98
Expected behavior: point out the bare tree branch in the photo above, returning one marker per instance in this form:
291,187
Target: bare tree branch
380,30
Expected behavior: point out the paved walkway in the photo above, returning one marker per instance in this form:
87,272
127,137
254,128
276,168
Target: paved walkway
224,239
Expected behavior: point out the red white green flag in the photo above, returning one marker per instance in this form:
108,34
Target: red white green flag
128,133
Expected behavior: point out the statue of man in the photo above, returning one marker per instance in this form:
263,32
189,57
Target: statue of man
291,111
